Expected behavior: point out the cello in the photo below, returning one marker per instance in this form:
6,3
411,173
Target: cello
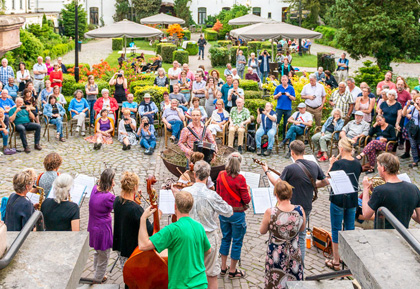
147,269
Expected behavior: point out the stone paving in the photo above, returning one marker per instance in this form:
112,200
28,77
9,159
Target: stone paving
79,157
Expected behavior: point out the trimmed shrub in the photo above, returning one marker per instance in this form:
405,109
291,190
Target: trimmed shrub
181,56
248,85
266,45
167,52
254,46
117,43
252,94
140,83
328,36
210,34
187,34
68,82
233,50
326,60
224,43
155,92
159,47
219,56
192,49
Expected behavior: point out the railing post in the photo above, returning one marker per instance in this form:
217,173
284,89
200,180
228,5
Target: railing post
380,219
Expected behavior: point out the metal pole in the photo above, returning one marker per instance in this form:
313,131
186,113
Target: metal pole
76,39
300,25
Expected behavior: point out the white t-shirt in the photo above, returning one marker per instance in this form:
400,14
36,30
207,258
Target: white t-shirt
355,92
302,117
61,99
174,72
106,104
318,90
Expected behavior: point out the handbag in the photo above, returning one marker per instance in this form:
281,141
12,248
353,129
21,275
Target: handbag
308,174
235,196
413,129
322,240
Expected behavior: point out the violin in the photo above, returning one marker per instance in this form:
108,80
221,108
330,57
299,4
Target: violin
270,169
137,198
177,185
147,269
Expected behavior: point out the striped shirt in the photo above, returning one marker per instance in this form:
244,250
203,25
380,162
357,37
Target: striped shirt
342,101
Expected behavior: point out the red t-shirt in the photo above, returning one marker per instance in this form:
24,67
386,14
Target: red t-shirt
403,97
390,84
237,185
56,75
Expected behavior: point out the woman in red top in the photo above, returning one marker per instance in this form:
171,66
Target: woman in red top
106,102
56,76
232,187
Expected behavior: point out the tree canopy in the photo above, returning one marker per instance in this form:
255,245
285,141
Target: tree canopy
68,19
182,10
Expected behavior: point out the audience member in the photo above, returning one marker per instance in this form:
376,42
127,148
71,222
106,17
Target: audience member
234,93
173,74
330,80
365,104
226,88
264,59
127,130
146,108
6,71
104,130
314,95
387,81
173,118
253,63
161,79
320,75
92,91
106,102
56,76
267,119
6,103
285,94
342,100
12,88
46,92
218,118
228,70
147,136
180,97
342,68
210,94
196,105
22,76
199,89
40,71
79,109
240,62
238,119
55,113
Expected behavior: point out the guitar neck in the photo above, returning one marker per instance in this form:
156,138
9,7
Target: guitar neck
274,171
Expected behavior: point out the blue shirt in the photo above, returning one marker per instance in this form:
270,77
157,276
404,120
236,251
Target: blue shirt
13,90
345,61
126,104
225,92
222,117
45,94
7,102
78,106
284,102
146,136
5,73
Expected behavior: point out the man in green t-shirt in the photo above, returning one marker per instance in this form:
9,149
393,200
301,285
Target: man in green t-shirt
186,242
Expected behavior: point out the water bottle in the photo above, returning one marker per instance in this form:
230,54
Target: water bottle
308,239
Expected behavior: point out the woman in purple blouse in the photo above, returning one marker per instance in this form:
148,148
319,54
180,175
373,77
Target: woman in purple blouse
104,129
100,223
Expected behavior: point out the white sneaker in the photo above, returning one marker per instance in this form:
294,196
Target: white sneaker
82,133
77,128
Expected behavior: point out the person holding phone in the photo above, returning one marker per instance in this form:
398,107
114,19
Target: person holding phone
127,130
285,94
267,119
120,83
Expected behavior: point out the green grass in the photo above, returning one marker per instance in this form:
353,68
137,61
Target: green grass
412,82
143,45
112,59
304,61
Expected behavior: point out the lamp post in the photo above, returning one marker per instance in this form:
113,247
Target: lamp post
76,39
300,25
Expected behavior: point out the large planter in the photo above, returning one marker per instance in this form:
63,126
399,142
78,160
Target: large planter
10,33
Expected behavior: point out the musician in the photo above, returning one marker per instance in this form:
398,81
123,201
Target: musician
188,175
186,242
207,205
19,209
45,180
301,175
127,215
187,139
100,222
400,197
60,213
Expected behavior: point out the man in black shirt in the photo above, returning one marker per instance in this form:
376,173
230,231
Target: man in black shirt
303,190
201,44
400,197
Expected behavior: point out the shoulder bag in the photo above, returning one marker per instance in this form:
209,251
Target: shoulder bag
235,196
322,240
308,174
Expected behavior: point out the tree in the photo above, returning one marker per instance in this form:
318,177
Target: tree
145,8
122,10
182,10
375,27
225,15
68,19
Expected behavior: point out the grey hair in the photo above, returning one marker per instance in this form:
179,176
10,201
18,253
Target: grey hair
23,179
337,110
386,90
104,90
312,76
77,91
350,79
196,109
393,92
62,186
252,54
202,170
7,61
174,99
320,68
233,164
47,58
342,82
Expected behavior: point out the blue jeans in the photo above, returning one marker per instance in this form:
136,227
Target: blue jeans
271,134
233,230
337,215
59,124
187,96
91,103
184,108
293,132
201,51
414,148
5,137
148,144
302,238
285,114
264,75
177,125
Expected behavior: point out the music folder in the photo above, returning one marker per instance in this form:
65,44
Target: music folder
262,199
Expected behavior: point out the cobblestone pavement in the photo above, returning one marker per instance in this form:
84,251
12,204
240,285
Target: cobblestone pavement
79,157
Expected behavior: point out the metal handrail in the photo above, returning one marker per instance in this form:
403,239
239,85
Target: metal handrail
17,243
383,213
330,275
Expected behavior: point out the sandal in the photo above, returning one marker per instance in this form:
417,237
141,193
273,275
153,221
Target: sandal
330,264
237,274
223,272
104,279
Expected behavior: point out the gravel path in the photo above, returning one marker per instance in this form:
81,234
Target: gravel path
92,52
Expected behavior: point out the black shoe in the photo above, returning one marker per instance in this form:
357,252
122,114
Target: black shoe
147,152
405,156
129,147
258,151
281,145
99,145
27,150
287,155
95,146
152,150
240,149
267,152
124,147
413,165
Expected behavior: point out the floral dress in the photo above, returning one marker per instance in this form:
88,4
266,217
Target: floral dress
283,262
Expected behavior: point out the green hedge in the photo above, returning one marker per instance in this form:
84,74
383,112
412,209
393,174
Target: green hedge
139,83
219,56
266,45
181,56
210,34
187,34
70,85
328,36
248,85
167,52
253,104
117,43
155,92
233,50
252,94
58,50
159,47
224,43
254,46
192,49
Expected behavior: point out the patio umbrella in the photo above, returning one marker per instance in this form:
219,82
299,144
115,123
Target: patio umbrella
124,29
248,19
162,19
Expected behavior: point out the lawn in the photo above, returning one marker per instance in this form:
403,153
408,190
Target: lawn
112,59
306,60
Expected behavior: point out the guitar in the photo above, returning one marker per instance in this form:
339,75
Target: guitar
270,169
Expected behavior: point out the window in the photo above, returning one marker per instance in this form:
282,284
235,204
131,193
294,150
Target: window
256,11
269,15
202,15
13,4
29,4
226,8
21,4
94,15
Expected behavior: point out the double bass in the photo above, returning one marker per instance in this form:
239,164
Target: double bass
147,269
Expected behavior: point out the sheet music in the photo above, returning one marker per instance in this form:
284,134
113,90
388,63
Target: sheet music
309,158
34,198
404,177
87,181
340,183
76,193
261,199
166,202
252,179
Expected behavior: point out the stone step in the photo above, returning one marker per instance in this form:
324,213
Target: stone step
325,284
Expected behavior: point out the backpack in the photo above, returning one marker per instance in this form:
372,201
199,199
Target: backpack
251,145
